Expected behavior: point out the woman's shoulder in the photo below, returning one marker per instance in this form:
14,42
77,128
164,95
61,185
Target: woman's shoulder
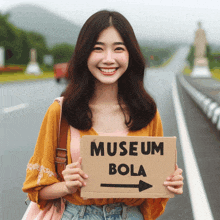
156,125
157,115
156,119
55,108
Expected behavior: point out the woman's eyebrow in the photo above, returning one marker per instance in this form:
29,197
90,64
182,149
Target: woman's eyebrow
119,43
115,43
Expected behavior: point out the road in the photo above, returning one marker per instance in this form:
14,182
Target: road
19,128
22,108
159,84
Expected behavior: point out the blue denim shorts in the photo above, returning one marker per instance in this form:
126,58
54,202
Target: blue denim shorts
116,211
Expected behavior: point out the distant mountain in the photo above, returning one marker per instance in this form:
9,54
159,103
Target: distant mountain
35,18
57,29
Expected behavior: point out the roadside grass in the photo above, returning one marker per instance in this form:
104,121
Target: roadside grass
167,61
215,72
163,64
6,77
187,70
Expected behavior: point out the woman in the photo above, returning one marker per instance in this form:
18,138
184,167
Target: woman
105,96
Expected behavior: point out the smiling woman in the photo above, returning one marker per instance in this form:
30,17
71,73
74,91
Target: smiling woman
105,96
92,57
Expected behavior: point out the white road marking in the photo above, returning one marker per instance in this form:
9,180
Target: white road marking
15,108
199,202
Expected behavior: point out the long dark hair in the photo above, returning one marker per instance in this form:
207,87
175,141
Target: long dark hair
141,107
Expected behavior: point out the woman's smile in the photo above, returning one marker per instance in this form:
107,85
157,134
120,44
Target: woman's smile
108,71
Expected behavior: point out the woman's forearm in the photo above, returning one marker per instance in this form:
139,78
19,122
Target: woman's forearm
53,191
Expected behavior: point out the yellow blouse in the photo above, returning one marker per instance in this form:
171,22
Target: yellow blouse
41,167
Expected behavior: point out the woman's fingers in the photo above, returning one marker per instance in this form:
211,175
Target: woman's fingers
177,171
73,182
74,168
176,178
71,186
75,177
72,171
74,165
175,190
80,160
174,182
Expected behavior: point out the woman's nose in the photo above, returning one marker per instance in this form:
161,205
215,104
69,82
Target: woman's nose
108,57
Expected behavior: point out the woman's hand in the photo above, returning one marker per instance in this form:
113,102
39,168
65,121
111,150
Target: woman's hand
74,177
174,182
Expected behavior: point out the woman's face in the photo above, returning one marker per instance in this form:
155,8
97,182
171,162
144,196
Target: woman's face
109,58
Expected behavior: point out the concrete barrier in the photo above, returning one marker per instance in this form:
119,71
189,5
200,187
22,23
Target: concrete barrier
211,109
216,115
208,106
205,105
218,124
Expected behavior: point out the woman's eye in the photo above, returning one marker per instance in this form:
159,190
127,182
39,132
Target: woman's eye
119,48
97,48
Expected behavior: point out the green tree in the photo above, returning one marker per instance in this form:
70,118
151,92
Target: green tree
62,52
24,48
214,61
8,35
190,57
15,42
209,56
38,42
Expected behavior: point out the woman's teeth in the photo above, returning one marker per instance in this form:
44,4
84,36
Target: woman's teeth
108,70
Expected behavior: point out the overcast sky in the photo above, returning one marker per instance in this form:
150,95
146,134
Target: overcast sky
153,19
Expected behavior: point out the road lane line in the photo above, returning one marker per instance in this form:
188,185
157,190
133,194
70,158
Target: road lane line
199,202
15,108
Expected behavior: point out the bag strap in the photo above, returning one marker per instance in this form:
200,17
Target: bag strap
61,150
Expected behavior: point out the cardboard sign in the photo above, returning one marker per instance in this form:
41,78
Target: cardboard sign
127,167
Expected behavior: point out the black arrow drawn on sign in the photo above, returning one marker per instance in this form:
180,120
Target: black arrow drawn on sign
141,186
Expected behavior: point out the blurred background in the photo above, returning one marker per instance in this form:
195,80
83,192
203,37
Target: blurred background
165,31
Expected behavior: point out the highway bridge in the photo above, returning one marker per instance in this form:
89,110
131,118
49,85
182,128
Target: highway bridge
184,105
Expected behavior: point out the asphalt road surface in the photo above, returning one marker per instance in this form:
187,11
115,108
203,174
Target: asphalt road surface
22,108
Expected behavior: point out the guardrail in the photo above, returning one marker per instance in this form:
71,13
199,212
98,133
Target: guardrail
208,106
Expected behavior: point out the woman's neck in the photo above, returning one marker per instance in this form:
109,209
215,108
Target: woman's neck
105,94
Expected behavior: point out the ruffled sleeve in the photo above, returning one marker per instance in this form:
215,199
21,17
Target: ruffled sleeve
41,167
152,208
